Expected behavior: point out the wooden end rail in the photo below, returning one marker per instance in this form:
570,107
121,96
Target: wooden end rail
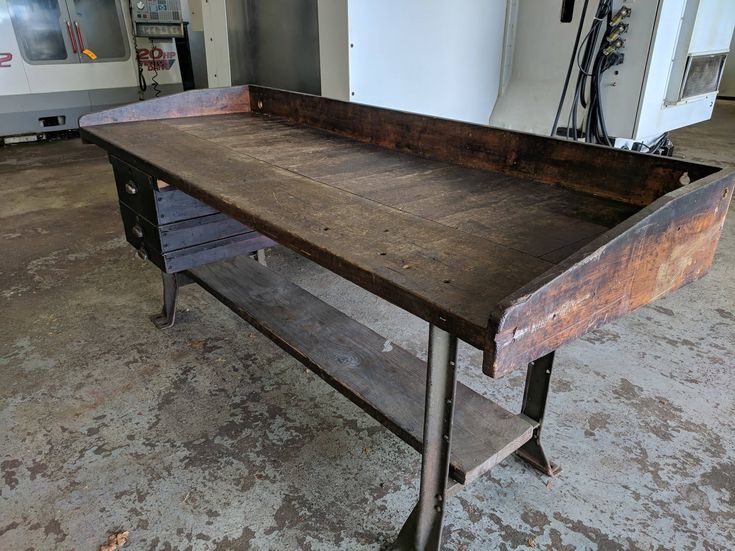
668,244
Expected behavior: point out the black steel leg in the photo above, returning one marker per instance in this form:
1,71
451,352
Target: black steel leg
167,317
534,405
423,529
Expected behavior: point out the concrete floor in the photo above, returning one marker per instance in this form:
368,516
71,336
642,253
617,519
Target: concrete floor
207,436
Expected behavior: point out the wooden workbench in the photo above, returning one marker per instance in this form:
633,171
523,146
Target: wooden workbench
511,242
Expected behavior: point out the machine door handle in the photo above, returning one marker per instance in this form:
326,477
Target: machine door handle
71,37
79,36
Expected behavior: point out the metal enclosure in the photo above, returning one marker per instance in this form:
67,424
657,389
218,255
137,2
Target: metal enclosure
674,52
427,56
274,43
61,59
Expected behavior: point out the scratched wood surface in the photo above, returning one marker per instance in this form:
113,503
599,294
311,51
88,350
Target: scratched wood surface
384,379
459,224
545,222
660,249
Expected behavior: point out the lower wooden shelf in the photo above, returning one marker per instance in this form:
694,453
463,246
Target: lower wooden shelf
388,384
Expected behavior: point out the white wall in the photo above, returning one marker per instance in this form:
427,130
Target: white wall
427,56
334,49
727,86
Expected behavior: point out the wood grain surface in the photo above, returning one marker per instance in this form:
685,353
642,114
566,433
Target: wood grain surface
515,243
665,246
624,176
385,380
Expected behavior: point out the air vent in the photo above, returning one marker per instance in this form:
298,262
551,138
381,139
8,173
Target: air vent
702,75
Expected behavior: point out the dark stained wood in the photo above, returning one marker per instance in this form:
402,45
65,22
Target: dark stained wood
443,275
179,235
210,101
665,246
382,378
450,221
518,213
624,176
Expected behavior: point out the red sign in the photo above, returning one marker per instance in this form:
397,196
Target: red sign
155,59
5,59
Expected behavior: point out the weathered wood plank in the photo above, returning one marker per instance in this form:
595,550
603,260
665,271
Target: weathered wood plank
386,381
443,275
522,214
450,221
210,101
665,246
624,176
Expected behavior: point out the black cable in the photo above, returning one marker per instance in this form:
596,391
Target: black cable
142,84
154,82
591,63
600,116
555,126
653,149
154,77
591,50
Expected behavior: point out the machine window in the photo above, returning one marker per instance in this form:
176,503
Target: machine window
38,27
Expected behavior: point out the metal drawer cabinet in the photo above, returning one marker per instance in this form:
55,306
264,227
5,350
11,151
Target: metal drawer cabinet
175,231
154,201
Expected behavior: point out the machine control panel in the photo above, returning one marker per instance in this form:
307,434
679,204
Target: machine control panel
158,18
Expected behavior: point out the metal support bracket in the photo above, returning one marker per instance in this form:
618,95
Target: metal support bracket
423,529
260,257
171,284
534,406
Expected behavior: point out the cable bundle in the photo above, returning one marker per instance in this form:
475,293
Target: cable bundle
597,52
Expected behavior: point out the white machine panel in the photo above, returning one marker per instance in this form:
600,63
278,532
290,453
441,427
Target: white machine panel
714,21
640,97
427,56
12,74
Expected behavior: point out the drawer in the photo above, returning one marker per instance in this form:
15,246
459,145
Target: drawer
214,251
157,204
178,235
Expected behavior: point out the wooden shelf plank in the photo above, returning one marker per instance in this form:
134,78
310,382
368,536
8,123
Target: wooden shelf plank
386,381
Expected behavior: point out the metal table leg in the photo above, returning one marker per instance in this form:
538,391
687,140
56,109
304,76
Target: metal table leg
167,317
260,256
534,406
423,529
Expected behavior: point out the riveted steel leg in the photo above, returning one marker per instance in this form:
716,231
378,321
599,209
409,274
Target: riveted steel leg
534,406
167,317
423,529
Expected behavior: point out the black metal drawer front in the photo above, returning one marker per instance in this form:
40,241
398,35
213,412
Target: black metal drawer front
179,235
164,205
214,251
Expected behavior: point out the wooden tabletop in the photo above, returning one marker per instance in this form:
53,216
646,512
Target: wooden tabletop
445,242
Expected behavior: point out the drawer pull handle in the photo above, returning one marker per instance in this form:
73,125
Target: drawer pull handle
137,230
142,253
131,188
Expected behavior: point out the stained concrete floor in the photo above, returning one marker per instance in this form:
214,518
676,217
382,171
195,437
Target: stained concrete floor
207,436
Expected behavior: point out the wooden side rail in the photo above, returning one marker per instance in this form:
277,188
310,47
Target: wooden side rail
663,247
194,103
382,378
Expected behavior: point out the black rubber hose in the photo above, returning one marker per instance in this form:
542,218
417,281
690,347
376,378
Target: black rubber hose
555,126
